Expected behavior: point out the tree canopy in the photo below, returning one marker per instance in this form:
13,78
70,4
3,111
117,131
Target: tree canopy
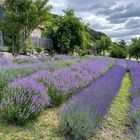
134,48
68,33
118,50
103,44
21,17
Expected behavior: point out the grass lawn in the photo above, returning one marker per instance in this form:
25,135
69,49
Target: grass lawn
46,128
116,127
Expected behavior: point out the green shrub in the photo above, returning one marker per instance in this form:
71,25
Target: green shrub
78,121
66,63
20,105
24,60
56,96
7,76
39,49
118,52
134,121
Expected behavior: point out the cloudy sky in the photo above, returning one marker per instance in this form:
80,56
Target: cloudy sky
119,19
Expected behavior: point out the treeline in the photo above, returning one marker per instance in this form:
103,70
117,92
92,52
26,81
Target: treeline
69,34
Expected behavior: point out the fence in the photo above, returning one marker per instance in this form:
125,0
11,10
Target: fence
42,42
1,39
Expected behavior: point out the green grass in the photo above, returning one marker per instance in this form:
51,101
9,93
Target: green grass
46,128
116,126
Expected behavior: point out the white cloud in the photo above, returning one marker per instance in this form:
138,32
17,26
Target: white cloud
109,16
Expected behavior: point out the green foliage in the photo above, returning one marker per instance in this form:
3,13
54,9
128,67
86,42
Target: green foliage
24,60
57,98
7,76
134,122
68,33
95,35
22,17
117,51
122,44
66,63
28,47
103,44
76,124
134,48
39,49
50,50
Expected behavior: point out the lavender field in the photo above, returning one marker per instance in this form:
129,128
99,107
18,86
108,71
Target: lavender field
69,98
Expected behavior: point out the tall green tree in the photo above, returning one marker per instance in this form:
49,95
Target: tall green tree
117,50
21,17
68,33
122,44
134,48
103,44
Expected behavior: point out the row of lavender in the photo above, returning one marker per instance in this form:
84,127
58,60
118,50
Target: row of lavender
64,82
10,71
135,98
25,98
82,115
37,62
26,61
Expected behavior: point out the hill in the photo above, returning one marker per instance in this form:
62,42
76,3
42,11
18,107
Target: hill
96,35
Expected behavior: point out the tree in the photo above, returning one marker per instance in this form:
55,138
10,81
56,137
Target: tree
122,44
104,44
21,17
134,48
68,33
95,35
118,51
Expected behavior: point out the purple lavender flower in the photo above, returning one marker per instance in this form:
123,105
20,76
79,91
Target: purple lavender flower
70,79
134,113
5,61
24,100
66,81
93,103
28,85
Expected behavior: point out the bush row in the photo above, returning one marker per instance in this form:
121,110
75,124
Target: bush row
25,98
134,113
82,115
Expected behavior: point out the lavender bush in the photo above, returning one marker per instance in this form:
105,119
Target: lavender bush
64,82
134,113
5,61
23,101
78,122
7,76
80,117
24,60
10,71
